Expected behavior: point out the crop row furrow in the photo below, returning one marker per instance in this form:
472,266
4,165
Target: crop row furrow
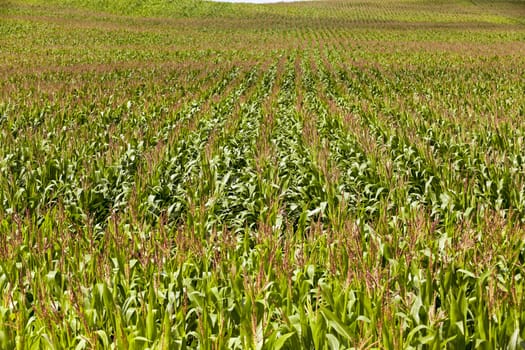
234,196
303,192
167,192
360,185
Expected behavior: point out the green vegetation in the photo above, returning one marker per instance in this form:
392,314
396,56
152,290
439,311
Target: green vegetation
318,175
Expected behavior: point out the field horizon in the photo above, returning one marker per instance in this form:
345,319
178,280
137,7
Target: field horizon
330,174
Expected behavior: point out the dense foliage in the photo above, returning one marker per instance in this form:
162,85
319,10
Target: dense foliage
318,175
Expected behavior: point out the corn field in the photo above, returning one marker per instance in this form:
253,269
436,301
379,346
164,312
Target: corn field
316,175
